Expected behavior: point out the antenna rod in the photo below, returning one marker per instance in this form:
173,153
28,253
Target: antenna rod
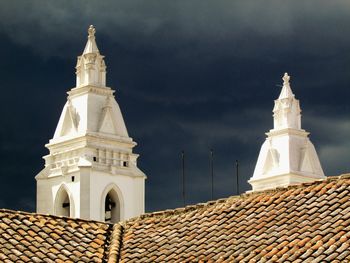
183,177
237,181
212,172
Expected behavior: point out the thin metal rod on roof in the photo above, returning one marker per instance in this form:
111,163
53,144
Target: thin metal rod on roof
237,177
183,177
212,172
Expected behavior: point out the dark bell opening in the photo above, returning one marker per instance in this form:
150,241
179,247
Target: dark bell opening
109,204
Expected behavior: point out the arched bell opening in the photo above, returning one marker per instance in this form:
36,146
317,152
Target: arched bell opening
112,207
63,203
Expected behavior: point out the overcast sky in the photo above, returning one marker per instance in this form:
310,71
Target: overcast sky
189,75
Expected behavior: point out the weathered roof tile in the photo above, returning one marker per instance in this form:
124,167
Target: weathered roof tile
305,223
30,237
296,224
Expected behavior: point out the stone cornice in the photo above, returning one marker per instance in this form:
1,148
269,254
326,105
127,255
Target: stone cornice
78,91
89,138
287,131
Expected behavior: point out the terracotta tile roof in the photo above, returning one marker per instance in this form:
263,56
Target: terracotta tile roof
304,223
26,237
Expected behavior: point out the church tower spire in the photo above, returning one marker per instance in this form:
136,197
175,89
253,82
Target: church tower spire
91,171
287,156
91,67
286,113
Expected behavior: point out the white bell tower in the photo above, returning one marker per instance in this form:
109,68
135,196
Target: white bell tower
287,156
91,171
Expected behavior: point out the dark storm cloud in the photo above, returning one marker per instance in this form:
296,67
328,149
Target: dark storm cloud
189,75
168,24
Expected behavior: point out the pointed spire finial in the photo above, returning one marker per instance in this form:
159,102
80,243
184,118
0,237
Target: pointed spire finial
91,31
91,68
286,78
91,46
286,91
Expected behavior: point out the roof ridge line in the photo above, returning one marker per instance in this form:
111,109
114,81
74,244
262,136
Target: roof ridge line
188,208
116,242
180,210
